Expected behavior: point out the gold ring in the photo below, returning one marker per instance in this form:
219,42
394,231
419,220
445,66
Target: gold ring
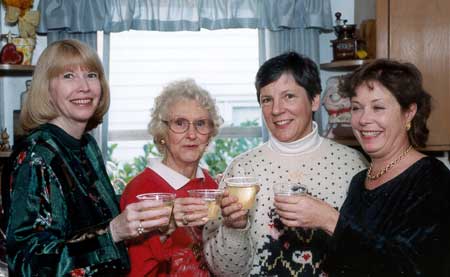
185,222
140,229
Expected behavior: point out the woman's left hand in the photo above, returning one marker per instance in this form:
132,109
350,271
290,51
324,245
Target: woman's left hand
139,218
307,212
190,211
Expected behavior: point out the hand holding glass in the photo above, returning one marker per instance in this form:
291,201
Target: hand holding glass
291,192
212,197
289,189
165,198
244,188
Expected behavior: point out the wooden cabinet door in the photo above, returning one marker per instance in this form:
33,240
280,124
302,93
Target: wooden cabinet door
418,31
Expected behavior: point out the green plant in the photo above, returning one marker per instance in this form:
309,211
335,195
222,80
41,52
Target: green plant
121,174
225,150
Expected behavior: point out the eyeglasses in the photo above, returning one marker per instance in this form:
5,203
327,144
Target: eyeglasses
181,125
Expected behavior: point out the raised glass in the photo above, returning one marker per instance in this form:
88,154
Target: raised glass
212,197
166,198
244,188
289,189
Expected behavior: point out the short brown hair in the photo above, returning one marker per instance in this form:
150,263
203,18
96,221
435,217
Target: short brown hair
55,59
303,70
404,82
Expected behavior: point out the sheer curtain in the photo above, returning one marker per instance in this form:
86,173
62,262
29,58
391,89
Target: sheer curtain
283,24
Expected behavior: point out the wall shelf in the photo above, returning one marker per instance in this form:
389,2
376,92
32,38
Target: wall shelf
5,154
345,65
16,68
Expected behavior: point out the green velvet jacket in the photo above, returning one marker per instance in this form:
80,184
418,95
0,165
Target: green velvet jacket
58,209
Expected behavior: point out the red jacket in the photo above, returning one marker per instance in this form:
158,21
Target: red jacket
149,256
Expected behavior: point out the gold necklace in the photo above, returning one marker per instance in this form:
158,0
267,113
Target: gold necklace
388,167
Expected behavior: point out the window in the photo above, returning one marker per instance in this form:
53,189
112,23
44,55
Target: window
141,63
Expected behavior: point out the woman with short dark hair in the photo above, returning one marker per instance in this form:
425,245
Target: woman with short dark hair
254,242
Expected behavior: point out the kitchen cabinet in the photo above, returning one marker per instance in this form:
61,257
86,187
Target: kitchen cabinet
418,31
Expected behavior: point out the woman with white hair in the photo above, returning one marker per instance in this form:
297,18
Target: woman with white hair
183,122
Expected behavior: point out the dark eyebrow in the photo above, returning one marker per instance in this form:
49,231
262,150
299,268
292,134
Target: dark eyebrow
372,101
376,100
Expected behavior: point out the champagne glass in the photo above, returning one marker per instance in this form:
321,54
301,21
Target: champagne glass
212,197
244,188
167,200
289,189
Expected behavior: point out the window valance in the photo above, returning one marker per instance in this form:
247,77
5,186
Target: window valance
81,16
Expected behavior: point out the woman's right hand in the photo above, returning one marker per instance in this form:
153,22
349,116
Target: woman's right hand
233,214
306,212
139,218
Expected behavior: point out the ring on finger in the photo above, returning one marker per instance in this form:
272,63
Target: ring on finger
140,229
185,221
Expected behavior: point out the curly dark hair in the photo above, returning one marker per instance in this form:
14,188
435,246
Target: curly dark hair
404,82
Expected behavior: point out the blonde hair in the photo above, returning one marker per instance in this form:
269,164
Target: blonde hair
173,93
57,58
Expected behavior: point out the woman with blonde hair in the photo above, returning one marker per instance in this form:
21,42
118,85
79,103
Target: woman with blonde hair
62,214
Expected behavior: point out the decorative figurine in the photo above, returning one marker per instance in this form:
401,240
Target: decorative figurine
9,53
19,49
348,45
338,109
345,45
21,11
4,145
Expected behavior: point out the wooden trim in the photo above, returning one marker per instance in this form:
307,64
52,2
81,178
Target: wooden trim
382,15
18,68
240,132
345,65
5,154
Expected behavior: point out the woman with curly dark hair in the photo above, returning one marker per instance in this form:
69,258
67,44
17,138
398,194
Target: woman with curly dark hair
395,220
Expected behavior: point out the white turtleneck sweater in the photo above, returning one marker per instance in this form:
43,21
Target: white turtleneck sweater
265,247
